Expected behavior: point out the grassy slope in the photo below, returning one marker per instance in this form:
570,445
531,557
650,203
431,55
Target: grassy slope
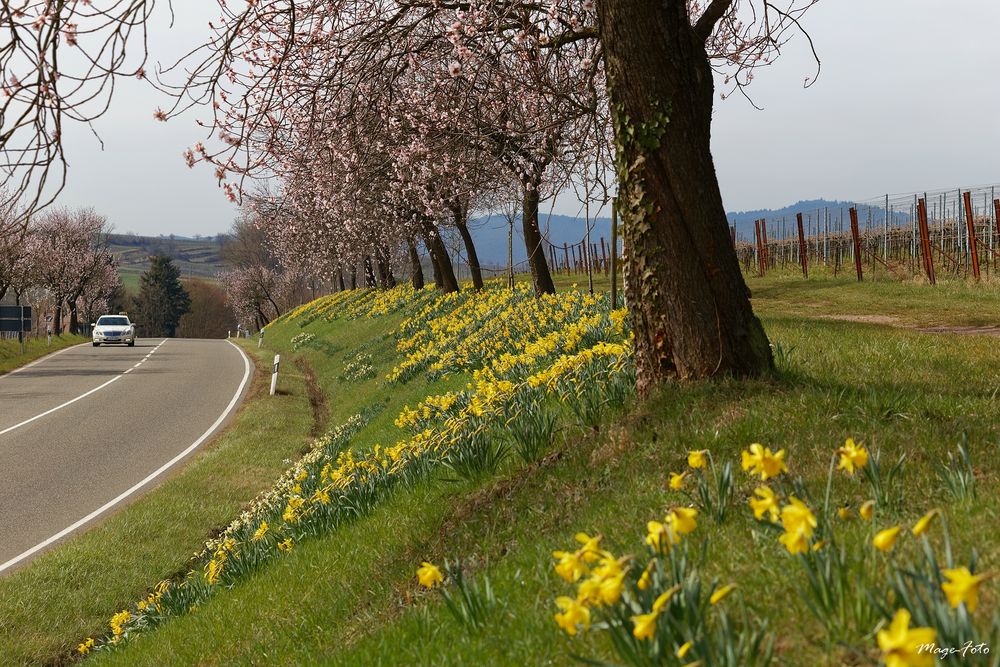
350,598
67,592
35,348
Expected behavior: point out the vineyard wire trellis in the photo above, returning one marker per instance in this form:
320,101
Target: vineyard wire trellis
952,232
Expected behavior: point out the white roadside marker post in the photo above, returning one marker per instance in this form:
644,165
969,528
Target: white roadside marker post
274,376
260,340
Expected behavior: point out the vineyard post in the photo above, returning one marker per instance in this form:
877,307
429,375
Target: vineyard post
760,251
925,240
856,234
604,256
971,224
767,250
566,248
802,246
996,215
614,254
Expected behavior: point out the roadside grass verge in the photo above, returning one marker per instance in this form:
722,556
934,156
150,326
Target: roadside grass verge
66,592
350,596
35,348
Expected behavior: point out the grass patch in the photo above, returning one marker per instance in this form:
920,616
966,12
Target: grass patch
350,597
70,590
34,348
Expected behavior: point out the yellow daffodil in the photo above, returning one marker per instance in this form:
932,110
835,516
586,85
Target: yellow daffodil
85,647
901,644
286,545
885,540
867,510
429,575
721,593
260,532
921,526
759,460
644,625
647,576
677,481
570,567
795,516
681,520
844,513
658,536
611,588
765,503
590,551
696,458
962,586
118,622
683,649
852,457
572,615
664,598
797,541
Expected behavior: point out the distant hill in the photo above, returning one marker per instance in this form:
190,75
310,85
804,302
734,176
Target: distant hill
196,258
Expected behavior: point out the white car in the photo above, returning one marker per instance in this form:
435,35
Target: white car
114,329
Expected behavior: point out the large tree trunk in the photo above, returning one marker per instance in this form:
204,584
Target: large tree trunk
461,212
57,320
340,279
74,317
444,272
385,266
416,270
369,273
540,275
689,304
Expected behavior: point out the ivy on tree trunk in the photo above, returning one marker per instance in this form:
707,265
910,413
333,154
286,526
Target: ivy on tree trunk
689,304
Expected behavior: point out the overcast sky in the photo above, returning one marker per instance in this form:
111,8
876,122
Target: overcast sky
908,100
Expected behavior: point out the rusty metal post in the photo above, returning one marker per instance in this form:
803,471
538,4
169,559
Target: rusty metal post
760,249
802,246
604,256
925,240
856,235
566,255
732,234
996,214
572,249
763,235
971,225
614,254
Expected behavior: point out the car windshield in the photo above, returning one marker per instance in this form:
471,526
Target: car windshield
112,322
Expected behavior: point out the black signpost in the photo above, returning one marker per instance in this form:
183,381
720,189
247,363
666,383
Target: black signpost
16,318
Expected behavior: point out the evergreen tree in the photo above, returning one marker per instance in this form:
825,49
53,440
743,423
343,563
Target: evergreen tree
162,300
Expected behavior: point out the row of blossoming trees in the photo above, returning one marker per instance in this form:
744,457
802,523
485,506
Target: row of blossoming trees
61,261
358,129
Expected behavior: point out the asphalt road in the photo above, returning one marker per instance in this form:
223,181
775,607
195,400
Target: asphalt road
88,429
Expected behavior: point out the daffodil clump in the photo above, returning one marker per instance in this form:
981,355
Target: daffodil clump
893,591
894,578
658,609
570,349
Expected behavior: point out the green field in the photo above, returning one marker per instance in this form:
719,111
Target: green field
852,362
34,348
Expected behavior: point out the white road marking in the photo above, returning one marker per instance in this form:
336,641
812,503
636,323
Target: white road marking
72,400
149,478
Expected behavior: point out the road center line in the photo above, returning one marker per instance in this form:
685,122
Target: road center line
71,401
149,478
